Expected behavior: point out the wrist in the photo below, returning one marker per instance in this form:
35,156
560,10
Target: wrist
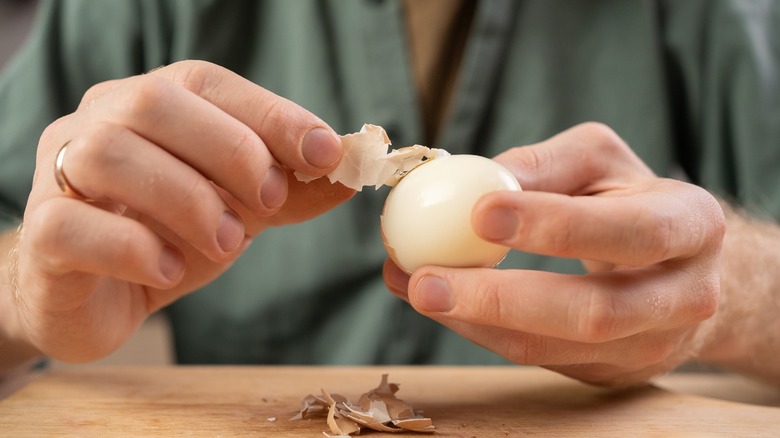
743,334
15,352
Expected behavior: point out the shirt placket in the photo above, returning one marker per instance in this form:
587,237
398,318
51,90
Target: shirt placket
479,74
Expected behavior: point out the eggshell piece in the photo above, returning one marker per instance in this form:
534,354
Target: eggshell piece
367,162
427,216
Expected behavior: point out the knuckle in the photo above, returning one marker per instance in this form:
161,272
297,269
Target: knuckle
602,135
489,307
601,144
599,319
144,99
531,160
46,234
658,230
598,141
96,148
708,297
194,203
714,217
95,91
127,243
717,216
245,153
604,141
275,114
561,235
701,215
198,77
51,134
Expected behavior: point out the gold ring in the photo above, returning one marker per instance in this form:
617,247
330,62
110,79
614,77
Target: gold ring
62,180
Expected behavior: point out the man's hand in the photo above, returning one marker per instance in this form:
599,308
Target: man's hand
651,246
181,168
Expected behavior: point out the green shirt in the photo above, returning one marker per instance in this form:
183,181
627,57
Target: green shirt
690,85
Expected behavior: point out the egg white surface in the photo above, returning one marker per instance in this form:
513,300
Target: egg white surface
427,215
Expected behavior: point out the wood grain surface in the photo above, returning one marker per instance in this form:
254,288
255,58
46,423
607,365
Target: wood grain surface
462,401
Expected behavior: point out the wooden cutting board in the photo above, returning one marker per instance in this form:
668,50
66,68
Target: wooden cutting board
462,401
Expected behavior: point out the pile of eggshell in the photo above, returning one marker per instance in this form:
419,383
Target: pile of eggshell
378,409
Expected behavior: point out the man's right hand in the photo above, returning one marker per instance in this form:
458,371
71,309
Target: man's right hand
180,168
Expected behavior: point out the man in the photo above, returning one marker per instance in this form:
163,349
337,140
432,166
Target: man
179,180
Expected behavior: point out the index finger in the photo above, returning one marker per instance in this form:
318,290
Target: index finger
656,222
296,137
586,159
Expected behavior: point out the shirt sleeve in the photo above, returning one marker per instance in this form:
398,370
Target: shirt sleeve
724,64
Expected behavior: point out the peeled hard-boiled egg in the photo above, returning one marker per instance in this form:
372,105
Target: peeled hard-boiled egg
427,215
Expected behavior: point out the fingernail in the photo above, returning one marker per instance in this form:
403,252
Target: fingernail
171,263
273,193
230,232
498,224
321,148
433,295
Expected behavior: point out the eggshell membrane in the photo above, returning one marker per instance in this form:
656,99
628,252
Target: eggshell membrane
427,215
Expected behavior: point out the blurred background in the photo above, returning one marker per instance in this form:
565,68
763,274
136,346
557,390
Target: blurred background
16,18
152,344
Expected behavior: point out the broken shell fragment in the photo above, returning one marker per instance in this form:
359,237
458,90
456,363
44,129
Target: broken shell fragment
366,160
